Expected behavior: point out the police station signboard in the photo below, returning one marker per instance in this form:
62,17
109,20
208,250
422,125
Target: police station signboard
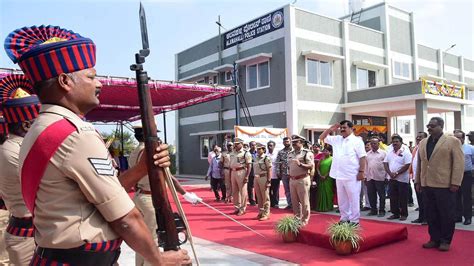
254,29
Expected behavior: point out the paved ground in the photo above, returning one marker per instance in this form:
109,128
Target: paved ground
210,253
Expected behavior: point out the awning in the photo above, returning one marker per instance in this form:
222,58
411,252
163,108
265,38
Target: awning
119,98
370,65
200,75
254,59
321,55
214,132
223,68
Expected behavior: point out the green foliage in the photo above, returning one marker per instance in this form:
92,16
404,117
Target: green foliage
289,223
173,163
341,232
129,142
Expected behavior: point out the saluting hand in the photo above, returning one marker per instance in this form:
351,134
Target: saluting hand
335,127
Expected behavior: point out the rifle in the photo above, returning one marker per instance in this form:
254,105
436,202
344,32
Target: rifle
169,223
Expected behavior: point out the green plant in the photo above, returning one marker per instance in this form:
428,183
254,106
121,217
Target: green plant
342,232
289,223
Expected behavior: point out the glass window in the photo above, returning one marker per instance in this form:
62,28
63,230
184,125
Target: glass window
313,69
372,78
366,78
404,126
325,74
228,76
252,76
401,70
263,78
206,145
258,75
362,79
319,72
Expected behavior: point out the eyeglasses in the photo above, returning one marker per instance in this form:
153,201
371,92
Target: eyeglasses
431,126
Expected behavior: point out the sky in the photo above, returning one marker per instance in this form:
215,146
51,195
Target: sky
176,25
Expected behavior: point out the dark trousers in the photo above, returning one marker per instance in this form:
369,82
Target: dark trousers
399,198
440,207
274,192
410,193
421,207
464,198
375,188
216,184
250,189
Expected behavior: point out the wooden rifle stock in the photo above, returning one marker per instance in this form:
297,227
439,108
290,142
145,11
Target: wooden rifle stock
164,214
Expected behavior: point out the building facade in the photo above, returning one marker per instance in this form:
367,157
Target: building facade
306,71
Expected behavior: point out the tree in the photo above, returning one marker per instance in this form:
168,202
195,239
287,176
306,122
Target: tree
129,142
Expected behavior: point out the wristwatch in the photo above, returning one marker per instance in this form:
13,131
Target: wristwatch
396,173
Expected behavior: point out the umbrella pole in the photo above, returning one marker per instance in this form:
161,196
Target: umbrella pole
164,126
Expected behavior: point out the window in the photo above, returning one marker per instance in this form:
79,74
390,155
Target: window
319,72
401,70
206,145
258,76
366,78
228,76
470,95
404,126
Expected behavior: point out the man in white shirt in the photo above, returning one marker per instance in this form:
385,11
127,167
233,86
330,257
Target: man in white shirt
348,166
412,171
275,181
376,176
396,165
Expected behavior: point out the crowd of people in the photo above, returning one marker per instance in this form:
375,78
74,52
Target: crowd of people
351,176
67,205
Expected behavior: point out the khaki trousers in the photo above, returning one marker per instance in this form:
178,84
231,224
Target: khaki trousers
299,190
145,206
20,249
228,184
239,191
4,215
263,195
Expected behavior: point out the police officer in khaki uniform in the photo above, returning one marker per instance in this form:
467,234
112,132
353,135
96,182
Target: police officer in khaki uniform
263,175
143,200
300,163
81,210
4,214
225,164
20,109
240,162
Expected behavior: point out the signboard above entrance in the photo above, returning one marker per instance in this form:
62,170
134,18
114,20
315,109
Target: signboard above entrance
255,28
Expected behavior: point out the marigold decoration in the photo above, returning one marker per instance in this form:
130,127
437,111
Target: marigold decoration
441,89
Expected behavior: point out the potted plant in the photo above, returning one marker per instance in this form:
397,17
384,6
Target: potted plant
288,227
344,237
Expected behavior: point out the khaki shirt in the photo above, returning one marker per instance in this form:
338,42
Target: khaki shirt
294,169
225,159
240,159
262,164
144,183
79,193
10,186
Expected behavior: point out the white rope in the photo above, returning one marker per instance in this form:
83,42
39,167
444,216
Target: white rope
170,183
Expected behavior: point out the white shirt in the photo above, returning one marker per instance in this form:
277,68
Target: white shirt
273,157
346,154
397,160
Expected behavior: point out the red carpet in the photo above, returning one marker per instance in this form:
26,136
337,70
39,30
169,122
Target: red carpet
207,224
375,234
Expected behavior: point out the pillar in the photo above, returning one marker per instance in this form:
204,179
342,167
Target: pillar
421,107
458,117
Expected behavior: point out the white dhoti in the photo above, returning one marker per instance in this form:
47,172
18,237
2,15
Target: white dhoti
348,195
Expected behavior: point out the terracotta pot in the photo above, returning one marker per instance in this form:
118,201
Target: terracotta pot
343,247
289,237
